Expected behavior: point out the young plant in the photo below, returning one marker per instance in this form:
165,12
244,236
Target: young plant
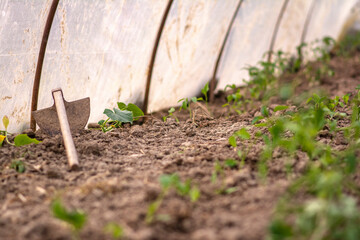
123,114
76,219
171,111
167,183
218,174
116,231
19,140
242,135
18,166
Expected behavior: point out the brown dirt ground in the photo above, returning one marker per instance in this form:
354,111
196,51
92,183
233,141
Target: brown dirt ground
119,174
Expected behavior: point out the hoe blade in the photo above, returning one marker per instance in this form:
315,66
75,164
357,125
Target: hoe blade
78,113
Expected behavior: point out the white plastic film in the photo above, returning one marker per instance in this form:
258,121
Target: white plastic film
292,25
21,27
249,39
328,18
101,50
189,46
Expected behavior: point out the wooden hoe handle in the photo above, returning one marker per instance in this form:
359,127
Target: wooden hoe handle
65,129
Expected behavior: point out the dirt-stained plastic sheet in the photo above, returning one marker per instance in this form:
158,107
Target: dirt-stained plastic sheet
189,46
249,39
101,50
21,27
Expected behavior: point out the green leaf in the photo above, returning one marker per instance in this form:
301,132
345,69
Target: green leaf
137,112
256,119
194,99
119,115
194,194
243,133
230,190
18,165
264,111
23,139
101,122
121,105
115,230
280,108
232,141
5,121
75,218
171,110
167,181
231,163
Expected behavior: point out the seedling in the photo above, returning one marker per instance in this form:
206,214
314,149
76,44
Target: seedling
123,114
19,140
76,219
167,183
116,231
171,111
218,174
18,166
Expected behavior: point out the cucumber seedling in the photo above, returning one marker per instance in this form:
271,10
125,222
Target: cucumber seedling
123,114
19,140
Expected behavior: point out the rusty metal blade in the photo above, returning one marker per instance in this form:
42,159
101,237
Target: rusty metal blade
78,113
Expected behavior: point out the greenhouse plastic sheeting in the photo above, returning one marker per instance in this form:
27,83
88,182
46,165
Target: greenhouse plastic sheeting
103,49
249,39
20,37
328,18
102,54
188,49
292,26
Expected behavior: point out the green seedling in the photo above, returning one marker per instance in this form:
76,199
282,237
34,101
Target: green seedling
167,183
18,166
235,100
205,91
115,230
76,219
123,114
231,163
171,111
243,151
218,174
186,104
19,140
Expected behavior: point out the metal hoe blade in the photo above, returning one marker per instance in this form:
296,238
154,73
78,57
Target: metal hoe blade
64,116
77,112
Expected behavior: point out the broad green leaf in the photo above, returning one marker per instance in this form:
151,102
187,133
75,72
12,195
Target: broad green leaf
280,108
75,218
137,112
23,139
121,105
232,141
119,115
243,134
194,99
101,122
5,121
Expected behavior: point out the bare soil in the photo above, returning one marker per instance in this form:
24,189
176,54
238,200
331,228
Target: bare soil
119,175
